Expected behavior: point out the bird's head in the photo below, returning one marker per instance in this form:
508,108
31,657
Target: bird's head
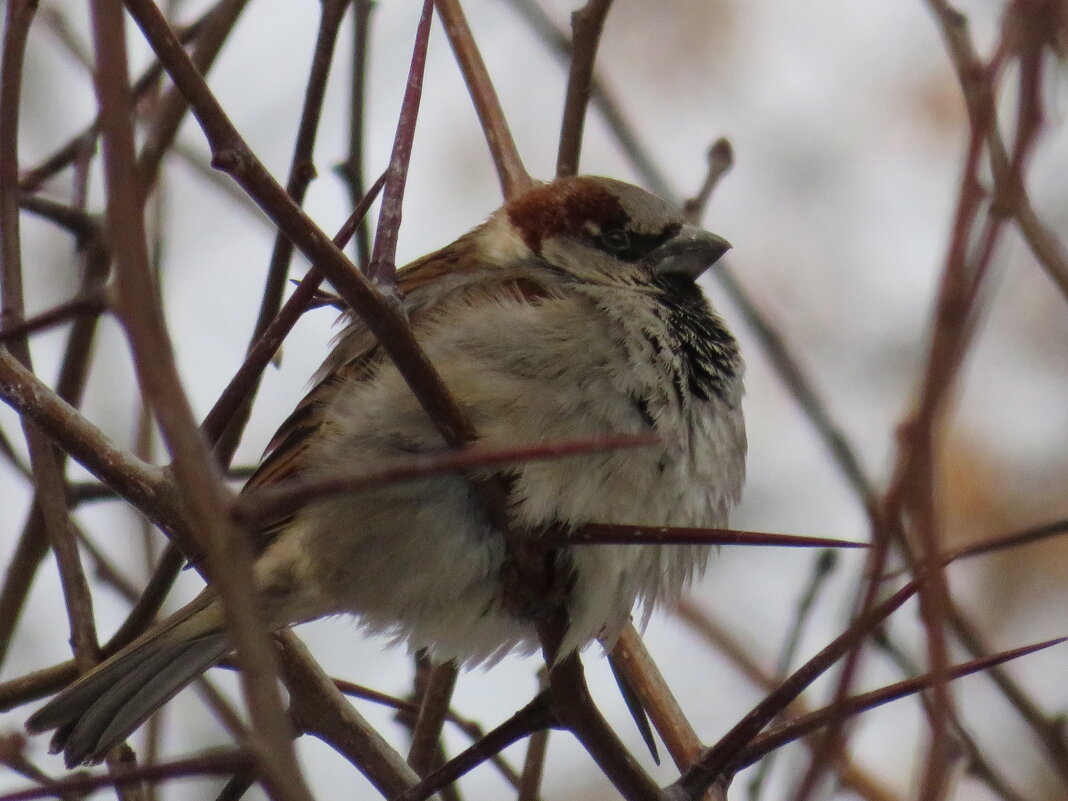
600,231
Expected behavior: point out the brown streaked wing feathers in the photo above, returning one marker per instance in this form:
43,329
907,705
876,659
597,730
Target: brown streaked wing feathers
284,456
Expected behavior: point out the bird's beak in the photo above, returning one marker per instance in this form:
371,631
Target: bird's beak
690,252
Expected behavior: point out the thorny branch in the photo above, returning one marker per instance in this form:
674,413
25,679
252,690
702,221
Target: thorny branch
904,512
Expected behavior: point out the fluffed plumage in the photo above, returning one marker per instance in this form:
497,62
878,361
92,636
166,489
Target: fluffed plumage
572,312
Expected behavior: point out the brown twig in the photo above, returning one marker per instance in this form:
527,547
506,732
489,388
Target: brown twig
323,712
208,764
351,169
69,217
587,23
715,761
261,353
145,486
169,111
85,141
530,780
382,269
977,92
301,173
977,764
823,567
261,504
788,732
714,632
720,161
510,171
203,491
535,716
619,534
606,103
631,657
50,493
92,302
434,704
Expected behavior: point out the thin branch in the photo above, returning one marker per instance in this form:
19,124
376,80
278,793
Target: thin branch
977,763
203,490
606,103
631,657
716,760
720,161
382,269
301,173
537,748
322,711
262,504
261,353
535,716
209,764
433,710
513,176
712,631
145,486
619,534
170,110
823,568
351,169
84,143
788,732
977,92
92,302
75,220
587,23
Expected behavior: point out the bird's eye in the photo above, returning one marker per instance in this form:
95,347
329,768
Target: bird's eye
617,239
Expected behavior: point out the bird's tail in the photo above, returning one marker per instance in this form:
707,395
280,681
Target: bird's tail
104,706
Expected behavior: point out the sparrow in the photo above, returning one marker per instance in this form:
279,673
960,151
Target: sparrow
572,312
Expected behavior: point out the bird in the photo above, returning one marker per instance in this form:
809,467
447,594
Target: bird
573,311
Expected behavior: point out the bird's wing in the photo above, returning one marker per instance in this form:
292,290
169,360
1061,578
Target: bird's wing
358,355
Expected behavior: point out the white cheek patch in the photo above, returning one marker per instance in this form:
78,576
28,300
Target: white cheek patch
501,243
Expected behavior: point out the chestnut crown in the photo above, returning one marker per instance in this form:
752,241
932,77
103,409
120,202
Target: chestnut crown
601,230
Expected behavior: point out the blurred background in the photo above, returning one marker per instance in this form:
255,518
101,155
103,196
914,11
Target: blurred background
848,131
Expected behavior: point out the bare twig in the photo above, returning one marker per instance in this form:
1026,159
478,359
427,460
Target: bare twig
510,171
587,23
208,764
716,760
788,732
619,534
261,353
382,268
92,302
351,169
535,716
203,491
720,161
433,710
324,713
631,656
602,98
264,503
301,173
712,631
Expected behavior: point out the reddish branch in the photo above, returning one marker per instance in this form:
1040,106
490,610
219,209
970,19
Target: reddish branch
587,23
203,491
382,268
510,171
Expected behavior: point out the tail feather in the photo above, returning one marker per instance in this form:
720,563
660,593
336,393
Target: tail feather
69,705
102,708
112,718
